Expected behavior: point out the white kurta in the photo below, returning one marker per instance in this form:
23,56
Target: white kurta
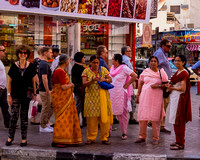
173,103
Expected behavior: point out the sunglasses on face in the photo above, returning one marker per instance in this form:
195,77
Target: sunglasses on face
168,46
23,52
3,50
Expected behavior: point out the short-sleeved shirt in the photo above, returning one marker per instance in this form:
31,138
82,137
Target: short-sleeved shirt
44,69
196,65
20,84
59,77
92,94
163,61
77,70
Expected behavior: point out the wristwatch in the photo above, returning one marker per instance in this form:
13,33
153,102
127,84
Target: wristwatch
8,94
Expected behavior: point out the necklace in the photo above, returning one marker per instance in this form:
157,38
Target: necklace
22,70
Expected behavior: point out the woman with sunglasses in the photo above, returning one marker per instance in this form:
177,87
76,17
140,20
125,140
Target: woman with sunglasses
20,78
179,102
96,111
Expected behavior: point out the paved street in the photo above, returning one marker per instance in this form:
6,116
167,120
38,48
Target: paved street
39,144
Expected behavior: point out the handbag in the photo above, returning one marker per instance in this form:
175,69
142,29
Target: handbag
32,112
165,93
104,85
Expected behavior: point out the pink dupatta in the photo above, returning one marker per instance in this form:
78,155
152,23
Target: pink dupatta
115,71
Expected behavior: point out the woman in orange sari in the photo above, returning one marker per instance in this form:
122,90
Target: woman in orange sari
66,128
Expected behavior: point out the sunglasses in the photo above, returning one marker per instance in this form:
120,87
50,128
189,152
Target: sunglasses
169,46
3,50
23,52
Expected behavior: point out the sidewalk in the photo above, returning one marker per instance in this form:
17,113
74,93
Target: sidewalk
39,144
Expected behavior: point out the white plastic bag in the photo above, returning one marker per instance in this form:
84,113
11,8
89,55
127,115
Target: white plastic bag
32,112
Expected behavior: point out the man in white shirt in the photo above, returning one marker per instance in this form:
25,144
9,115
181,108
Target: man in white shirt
3,91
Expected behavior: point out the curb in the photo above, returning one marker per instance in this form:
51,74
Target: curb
42,154
8,153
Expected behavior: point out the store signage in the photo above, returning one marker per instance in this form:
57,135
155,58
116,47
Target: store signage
147,35
137,11
193,47
91,27
154,8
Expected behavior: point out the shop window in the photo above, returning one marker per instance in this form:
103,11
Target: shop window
175,9
191,25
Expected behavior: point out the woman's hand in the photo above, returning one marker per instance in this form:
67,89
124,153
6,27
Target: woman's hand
34,97
102,79
137,99
126,86
9,99
72,85
156,85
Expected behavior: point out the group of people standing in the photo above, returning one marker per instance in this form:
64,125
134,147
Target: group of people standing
96,105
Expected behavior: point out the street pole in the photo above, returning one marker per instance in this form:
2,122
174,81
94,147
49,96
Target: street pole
133,30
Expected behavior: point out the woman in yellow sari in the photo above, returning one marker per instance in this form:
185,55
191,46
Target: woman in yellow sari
67,128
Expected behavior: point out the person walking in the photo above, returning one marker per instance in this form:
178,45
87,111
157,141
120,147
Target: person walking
45,87
3,91
20,77
122,78
126,57
150,99
79,90
97,111
162,55
67,127
180,111
36,63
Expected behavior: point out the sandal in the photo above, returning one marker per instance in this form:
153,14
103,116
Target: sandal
140,140
176,147
124,137
173,144
88,142
106,142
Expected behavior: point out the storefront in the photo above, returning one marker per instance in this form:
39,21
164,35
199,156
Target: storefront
59,25
184,42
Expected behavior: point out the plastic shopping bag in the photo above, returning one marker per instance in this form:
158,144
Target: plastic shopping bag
32,112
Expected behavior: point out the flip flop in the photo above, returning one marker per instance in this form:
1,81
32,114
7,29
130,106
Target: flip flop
88,142
173,144
176,147
124,137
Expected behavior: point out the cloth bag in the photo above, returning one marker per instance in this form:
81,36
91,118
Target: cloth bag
32,112
104,85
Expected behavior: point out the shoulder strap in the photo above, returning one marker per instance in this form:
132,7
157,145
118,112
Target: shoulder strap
160,75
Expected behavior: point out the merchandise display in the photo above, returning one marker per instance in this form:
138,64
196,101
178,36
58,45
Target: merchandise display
100,7
31,3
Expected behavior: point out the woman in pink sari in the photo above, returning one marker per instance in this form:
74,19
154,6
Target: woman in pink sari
120,96
150,98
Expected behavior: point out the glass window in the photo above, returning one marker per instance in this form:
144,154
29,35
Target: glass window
175,9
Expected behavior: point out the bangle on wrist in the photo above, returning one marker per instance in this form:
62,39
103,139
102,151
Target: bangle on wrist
35,94
8,94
